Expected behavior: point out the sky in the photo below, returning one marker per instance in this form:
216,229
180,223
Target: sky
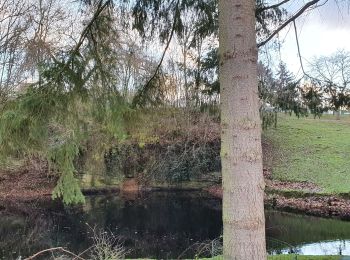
321,32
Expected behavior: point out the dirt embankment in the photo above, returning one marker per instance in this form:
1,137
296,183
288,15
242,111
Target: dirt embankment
33,182
279,196
30,182
299,197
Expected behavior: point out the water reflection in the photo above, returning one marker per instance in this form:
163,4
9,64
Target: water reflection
338,247
290,233
159,225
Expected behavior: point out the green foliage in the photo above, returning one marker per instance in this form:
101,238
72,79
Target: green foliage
287,93
161,18
150,94
268,118
26,129
24,122
313,98
156,16
330,76
73,104
187,162
303,257
288,257
210,72
166,146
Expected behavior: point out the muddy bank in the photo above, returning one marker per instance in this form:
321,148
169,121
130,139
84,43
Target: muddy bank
299,201
321,206
31,182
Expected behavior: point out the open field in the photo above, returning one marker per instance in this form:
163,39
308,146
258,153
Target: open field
290,257
312,150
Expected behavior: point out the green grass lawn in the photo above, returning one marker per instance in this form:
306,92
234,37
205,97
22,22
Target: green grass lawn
303,257
313,150
290,257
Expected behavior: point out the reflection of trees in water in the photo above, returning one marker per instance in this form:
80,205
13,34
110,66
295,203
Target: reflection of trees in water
276,247
31,227
300,230
19,234
342,247
158,224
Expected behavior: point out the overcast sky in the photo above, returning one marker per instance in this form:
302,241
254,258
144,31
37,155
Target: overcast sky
321,32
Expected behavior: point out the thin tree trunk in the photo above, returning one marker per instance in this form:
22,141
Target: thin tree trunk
338,114
241,154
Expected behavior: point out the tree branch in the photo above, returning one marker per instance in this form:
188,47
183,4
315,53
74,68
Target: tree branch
166,46
147,85
83,35
291,19
272,6
54,249
88,26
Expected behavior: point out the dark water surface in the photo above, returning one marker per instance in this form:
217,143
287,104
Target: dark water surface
159,225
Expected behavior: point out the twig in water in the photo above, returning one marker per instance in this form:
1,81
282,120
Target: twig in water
54,249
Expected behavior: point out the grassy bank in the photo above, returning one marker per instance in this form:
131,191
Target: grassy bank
290,257
303,257
283,257
175,147
312,150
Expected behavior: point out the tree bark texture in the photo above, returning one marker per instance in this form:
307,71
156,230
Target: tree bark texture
241,153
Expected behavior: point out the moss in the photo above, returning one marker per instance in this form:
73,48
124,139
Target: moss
315,150
303,257
295,193
281,257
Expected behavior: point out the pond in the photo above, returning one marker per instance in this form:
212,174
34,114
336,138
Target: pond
161,225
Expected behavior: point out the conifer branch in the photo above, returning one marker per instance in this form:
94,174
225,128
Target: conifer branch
291,19
54,249
165,49
262,9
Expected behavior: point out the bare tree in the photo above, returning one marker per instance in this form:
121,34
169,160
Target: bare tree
48,21
241,154
13,26
31,32
332,74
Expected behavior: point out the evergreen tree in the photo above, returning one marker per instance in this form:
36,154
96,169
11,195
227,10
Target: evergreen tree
241,152
332,75
288,96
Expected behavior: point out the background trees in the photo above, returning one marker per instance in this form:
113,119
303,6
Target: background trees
84,92
30,32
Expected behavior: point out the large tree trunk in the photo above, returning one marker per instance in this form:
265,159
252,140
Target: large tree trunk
243,183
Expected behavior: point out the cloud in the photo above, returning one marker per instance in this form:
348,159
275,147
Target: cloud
321,31
334,14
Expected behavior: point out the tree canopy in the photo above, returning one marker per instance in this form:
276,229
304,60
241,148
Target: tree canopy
88,88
